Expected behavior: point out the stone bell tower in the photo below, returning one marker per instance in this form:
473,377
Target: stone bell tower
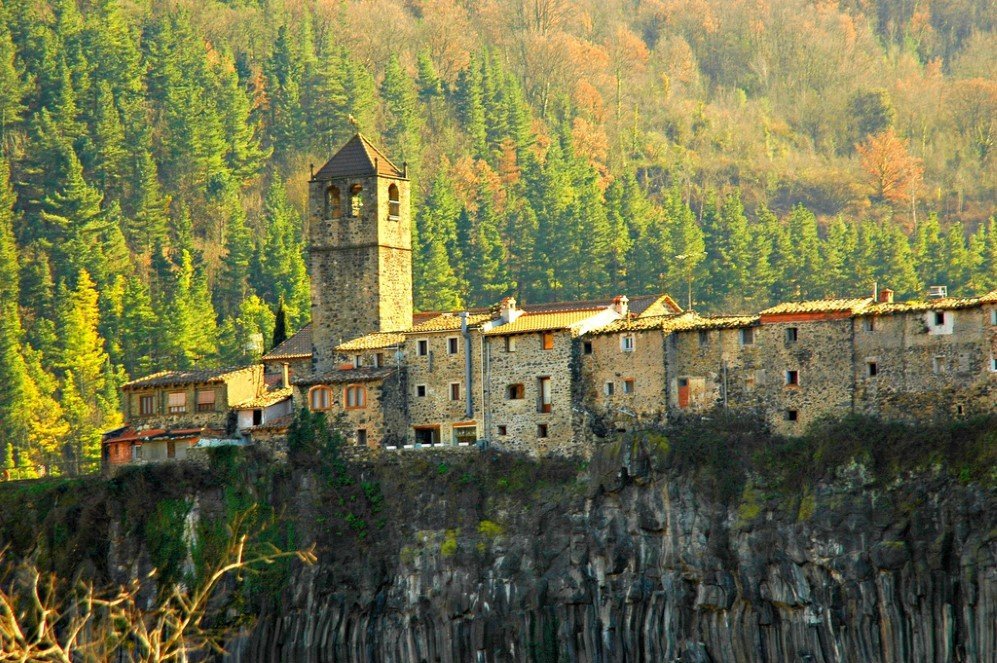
360,248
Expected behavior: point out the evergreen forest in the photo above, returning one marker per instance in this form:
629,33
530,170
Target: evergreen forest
154,159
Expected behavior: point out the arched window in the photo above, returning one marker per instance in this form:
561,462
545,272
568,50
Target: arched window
320,398
356,200
333,206
355,397
394,202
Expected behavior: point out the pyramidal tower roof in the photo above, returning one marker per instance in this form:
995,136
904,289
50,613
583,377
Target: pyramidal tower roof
358,157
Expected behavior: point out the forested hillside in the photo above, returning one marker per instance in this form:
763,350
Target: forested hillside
155,156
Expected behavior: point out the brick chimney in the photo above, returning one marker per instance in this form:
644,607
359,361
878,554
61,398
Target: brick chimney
621,305
508,310
885,296
285,380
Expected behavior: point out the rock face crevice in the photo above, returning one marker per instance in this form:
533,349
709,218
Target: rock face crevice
644,566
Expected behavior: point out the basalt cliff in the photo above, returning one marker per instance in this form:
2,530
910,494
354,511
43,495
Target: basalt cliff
648,552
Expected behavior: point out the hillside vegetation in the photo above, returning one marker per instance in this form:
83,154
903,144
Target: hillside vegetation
155,158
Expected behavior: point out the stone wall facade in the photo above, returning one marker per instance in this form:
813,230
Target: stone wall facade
383,418
520,423
431,377
638,395
235,388
906,366
713,367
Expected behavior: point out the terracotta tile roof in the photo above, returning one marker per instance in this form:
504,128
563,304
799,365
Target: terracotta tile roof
820,306
267,399
362,374
129,434
448,322
167,378
358,157
704,323
375,341
643,323
296,346
941,304
546,321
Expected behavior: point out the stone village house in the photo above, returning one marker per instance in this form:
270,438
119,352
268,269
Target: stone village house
549,378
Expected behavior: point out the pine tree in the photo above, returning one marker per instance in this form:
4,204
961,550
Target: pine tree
194,329
284,71
401,114
729,253
428,81
89,401
13,84
958,263
804,264
685,240
109,159
243,335
897,270
929,252
141,341
437,250
469,100
279,325
278,271
325,101
361,95
233,282
489,279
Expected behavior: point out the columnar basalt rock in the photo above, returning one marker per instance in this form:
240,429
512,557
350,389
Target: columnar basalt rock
648,568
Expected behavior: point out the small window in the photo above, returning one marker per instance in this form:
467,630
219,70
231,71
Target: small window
357,361
177,402
356,200
515,392
629,386
320,398
869,324
993,317
871,369
748,336
257,417
627,343
510,343
993,364
362,437
379,360
452,345
503,430
792,378
206,400
938,365
147,405
541,430
356,397
171,449
547,340
704,338
422,348
939,318
608,388
792,334
792,415
394,203
455,391
960,410
333,204
420,390
587,347
543,389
